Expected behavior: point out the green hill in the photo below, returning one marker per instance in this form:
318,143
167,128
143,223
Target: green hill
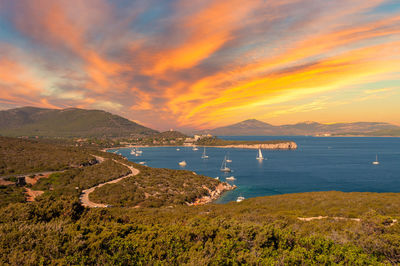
171,134
71,122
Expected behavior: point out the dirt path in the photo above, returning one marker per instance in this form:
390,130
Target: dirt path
32,194
84,198
307,219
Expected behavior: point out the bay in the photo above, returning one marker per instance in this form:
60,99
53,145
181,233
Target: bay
319,164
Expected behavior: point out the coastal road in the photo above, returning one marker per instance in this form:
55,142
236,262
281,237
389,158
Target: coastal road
84,198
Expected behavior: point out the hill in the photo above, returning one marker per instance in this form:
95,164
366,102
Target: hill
170,134
258,128
71,122
19,156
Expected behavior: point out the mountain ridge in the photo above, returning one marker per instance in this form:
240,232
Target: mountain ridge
256,127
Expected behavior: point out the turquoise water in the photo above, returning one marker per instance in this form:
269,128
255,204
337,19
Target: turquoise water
319,164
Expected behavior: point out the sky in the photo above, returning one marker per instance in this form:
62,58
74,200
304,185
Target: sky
202,64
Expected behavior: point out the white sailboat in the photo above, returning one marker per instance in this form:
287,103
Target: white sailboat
195,148
178,149
133,151
260,155
224,168
239,199
231,178
204,156
376,160
227,159
183,163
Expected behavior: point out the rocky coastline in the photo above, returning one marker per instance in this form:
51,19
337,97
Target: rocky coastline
290,145
213,194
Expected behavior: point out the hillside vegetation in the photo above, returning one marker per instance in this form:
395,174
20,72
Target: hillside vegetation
72,122
56,229
72,181
155,187
257,231
19,156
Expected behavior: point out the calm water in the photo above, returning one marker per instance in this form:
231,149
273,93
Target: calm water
319,164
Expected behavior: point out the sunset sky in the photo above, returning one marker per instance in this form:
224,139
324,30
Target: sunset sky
196,64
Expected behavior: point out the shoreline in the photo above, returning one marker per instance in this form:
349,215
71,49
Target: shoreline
289,145
214,194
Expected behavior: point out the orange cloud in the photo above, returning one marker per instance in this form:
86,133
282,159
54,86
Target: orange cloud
203,34
247,97
19,85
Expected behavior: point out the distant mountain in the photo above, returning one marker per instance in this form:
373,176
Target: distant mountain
255,127
71,122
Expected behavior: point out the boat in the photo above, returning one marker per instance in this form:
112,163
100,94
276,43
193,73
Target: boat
204,156
227,159
183,163
376,160
139,151
260,156
239,199
224,168
195,148
231,178
217,178
178,149
142,163
133,152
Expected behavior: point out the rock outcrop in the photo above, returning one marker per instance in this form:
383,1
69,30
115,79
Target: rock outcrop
213,194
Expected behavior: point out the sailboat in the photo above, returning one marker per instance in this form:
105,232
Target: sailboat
227,159
178,149
224,168
133,151
260,156
204,156
231,178
195,148
376,160
183,163
239,199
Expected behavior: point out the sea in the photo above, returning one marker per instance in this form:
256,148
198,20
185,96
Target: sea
319,164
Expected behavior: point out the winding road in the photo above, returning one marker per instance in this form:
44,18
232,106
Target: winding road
84,198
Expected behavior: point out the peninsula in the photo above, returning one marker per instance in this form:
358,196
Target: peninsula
244,144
